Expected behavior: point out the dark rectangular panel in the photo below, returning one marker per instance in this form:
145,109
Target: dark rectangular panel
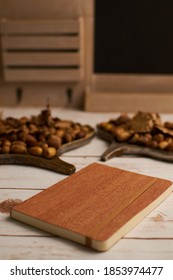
133,36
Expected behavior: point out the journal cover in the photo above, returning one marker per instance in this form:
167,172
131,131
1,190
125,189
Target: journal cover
96,206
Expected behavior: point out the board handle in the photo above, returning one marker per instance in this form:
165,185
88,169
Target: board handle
115,150
54,164
112,151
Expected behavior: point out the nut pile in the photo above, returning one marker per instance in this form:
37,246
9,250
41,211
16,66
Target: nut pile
144,129
39,135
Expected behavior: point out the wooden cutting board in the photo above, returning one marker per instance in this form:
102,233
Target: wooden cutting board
54,164
117,149
95,206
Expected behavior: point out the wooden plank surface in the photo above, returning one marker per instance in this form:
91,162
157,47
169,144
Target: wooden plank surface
31,43
150,239
50,248
51,75
39,26
13,176
97,101
41,59
40,42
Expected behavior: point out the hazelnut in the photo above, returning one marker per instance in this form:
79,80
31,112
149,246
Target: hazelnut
134,138
68,137
169,147
81,134
7,142
54,141
121,134
60,133
158,137
18,149
36,151
30,140
49,152
5,149
20,143
162,145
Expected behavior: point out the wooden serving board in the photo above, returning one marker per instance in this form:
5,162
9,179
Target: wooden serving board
117,149
53,164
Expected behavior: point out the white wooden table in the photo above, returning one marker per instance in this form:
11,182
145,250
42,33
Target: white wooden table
152,238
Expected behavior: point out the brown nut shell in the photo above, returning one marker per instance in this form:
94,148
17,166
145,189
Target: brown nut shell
54,141
19,143
18,149
36,151
30,140
162,145
5,149
49,152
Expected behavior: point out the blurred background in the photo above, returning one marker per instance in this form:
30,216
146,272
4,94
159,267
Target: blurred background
87,55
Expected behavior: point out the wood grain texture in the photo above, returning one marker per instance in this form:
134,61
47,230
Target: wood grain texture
41,59
158,224
53,164
44,10
49,248
72,202
27,48
61,26
125,148
40,43
150,239
97,101
52,75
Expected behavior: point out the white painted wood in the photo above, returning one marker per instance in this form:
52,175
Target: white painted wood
13,176
26,177
158,224
45,248
65,114
91,118
150,239
9,227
